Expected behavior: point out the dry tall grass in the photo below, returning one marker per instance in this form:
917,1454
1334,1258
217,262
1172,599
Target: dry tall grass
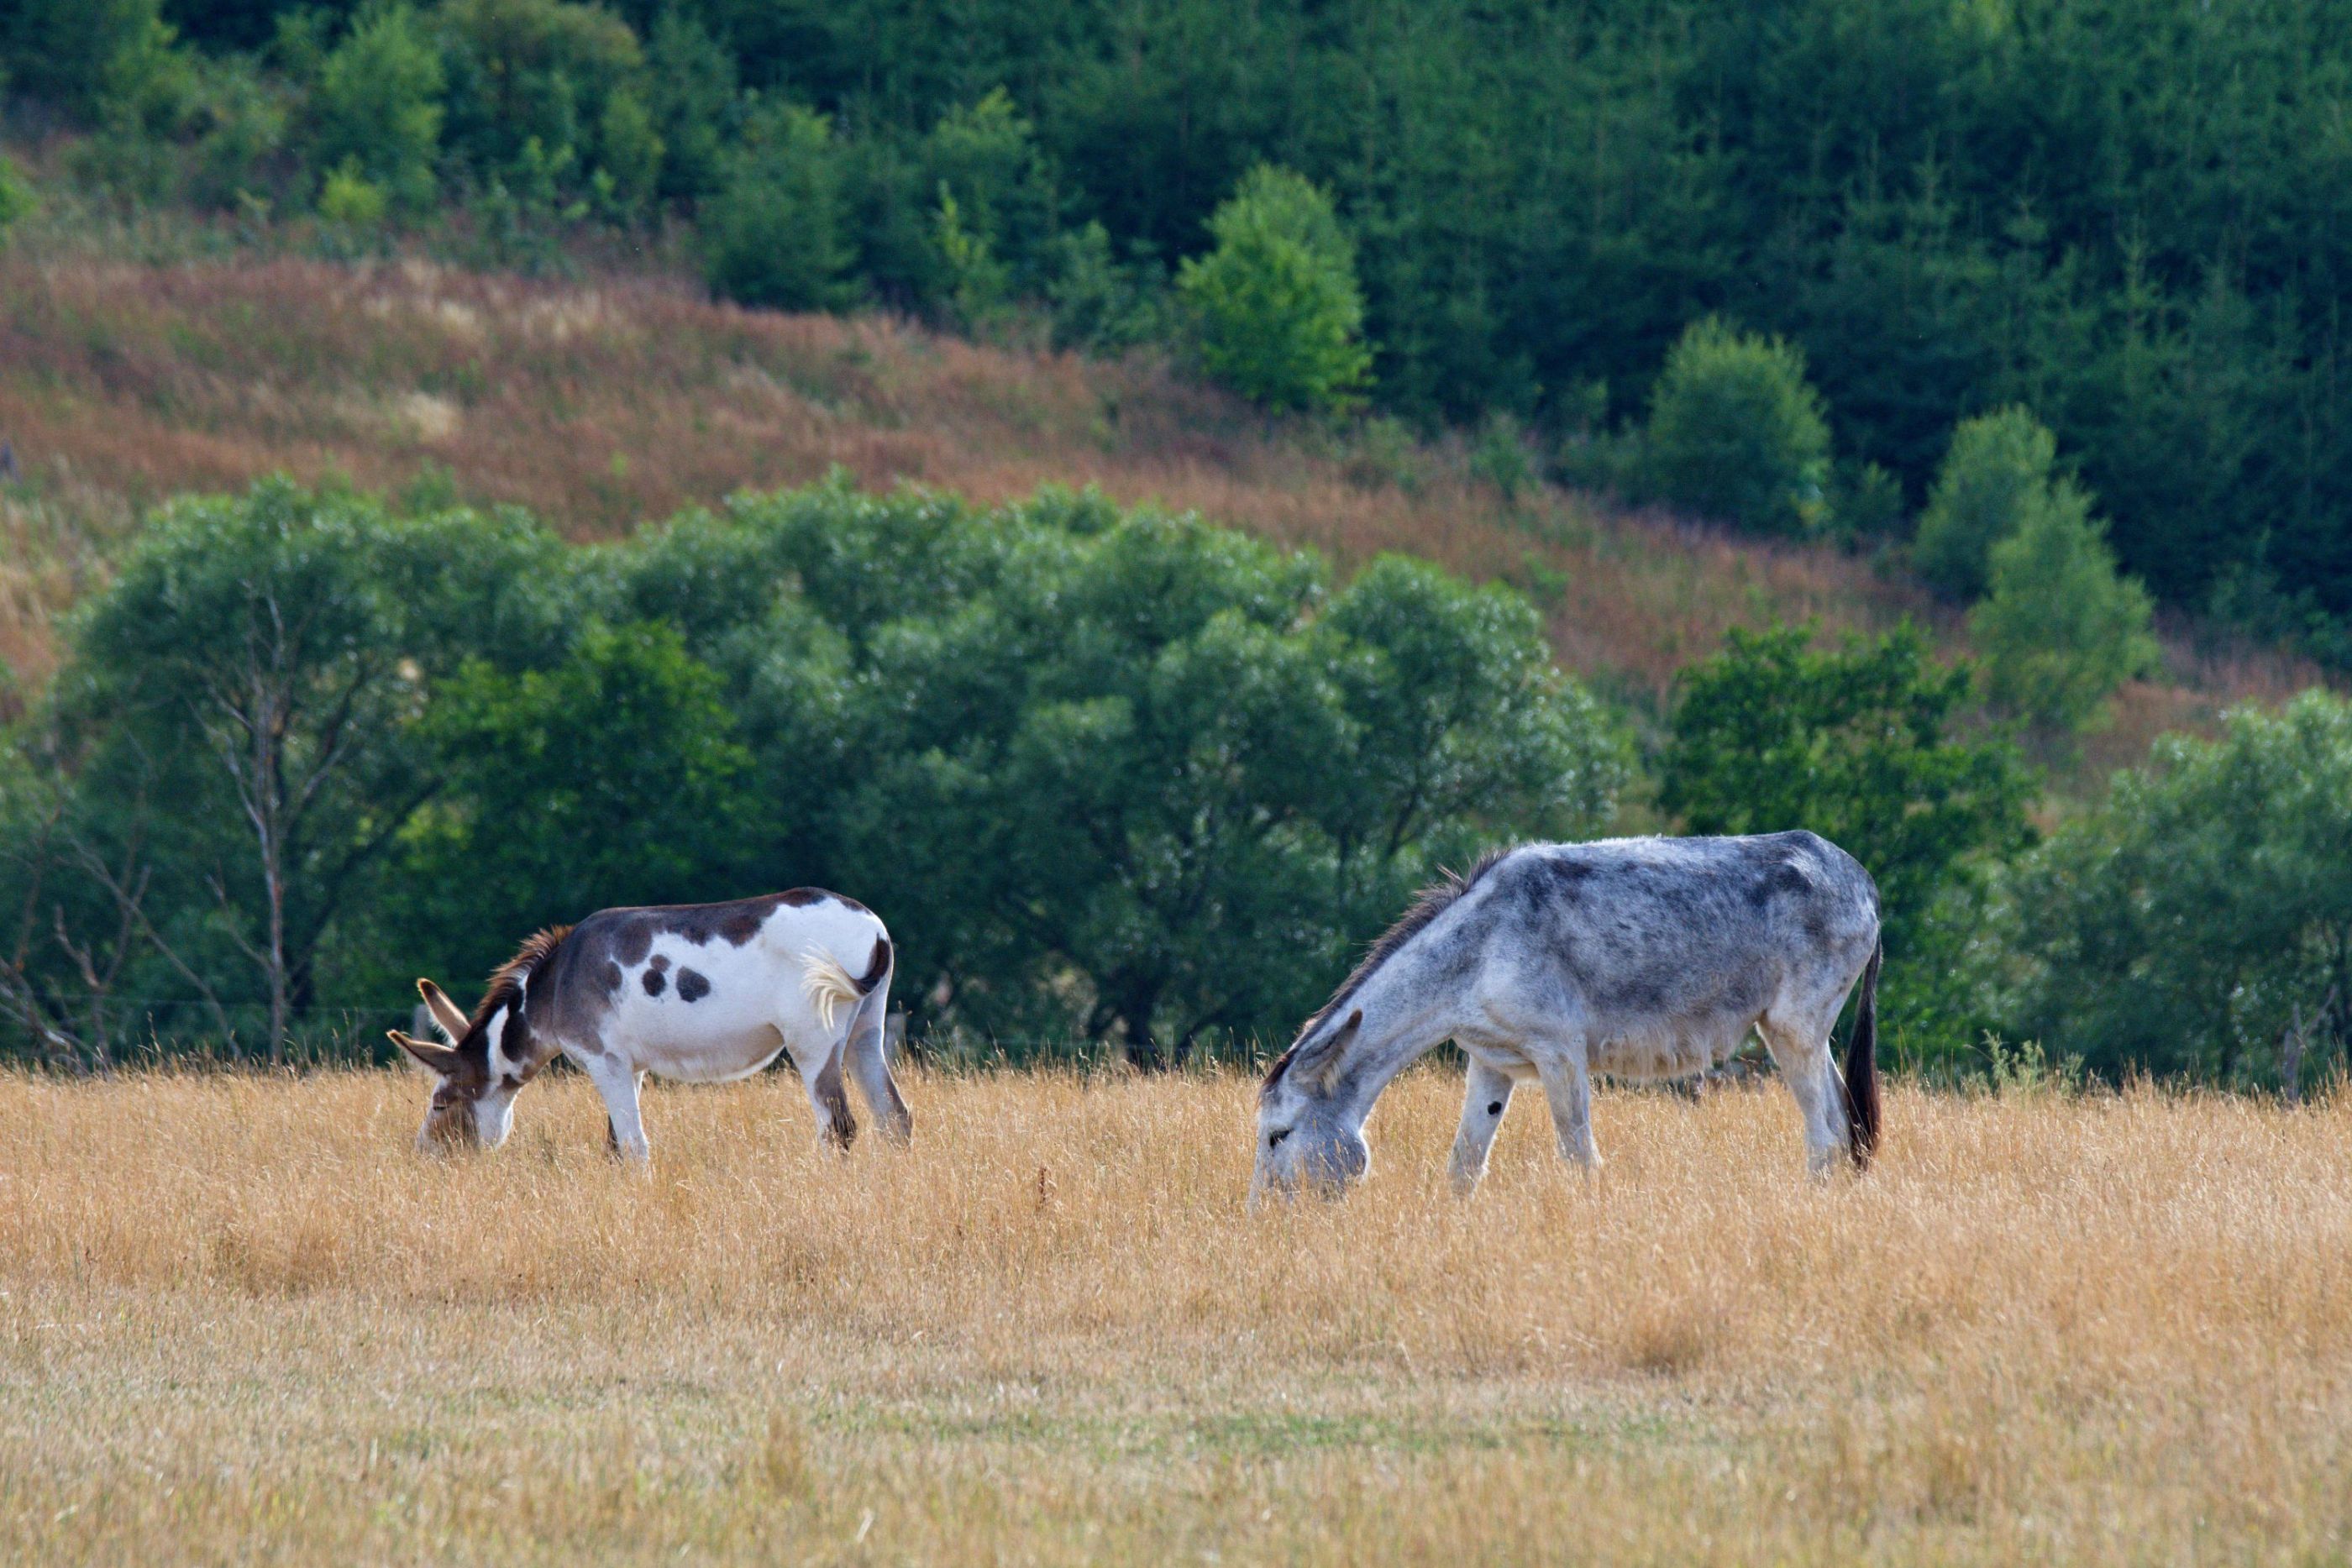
601,405
243,1322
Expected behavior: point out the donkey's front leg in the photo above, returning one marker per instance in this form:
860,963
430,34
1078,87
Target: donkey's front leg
617,1081
1569,1086
1485,1098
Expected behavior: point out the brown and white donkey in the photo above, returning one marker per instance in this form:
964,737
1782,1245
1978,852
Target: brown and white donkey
698,992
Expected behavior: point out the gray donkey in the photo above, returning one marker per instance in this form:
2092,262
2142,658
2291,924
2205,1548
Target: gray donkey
1641,957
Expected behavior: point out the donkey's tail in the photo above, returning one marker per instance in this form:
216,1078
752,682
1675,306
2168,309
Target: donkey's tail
829,987
1862,1069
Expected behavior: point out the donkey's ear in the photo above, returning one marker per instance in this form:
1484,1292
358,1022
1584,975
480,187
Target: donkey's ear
1319,1063
445,1012
439,1060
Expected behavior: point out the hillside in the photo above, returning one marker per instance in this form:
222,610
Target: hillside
604,403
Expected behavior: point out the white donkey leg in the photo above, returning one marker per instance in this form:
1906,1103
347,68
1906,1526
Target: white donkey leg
1568,1085
1486,1096
869,1065
820,1075
618,1082
1801,1052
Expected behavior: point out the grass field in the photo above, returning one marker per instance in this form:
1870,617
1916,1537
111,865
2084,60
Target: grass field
245,1321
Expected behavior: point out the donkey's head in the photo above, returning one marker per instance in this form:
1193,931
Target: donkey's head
477,1073
1309,1126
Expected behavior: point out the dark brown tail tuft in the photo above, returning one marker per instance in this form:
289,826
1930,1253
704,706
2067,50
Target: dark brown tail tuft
879,966
1862,1069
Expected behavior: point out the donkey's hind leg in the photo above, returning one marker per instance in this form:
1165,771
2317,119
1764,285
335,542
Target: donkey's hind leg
820,1075
1486,1096
869,1064
1801,1050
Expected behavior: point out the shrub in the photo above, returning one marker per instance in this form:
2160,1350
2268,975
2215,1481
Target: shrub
86,56
1136,781
1862,745
1276,312
772,234
16,198
614,776
378,104
1998,471
350,201
1737,434
2201,914
2060,630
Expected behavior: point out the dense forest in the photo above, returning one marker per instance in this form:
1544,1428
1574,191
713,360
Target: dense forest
2126,216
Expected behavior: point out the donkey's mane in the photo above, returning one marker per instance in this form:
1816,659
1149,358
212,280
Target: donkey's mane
507,980
1427,905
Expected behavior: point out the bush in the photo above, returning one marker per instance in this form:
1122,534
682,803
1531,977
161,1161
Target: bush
772,234
377,104
86,56
2196,917
1862,745
1126,779
545,97
613,777
1276,312
1998,472
1736,434
16,198
2060,630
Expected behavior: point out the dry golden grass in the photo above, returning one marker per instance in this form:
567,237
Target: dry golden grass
245,1322
602,405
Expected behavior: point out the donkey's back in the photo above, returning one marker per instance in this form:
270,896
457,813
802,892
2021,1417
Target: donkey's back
1666,951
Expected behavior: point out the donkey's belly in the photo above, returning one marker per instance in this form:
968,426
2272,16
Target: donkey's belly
712,1058
1661,1054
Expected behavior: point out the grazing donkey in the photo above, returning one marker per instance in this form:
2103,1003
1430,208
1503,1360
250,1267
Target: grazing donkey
701,992
1643,957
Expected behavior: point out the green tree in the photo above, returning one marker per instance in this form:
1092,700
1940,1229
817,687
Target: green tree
2198,921
1275,308
772,236
377,105
85,55
549,93
691,89
1998,471
1863,745
612,777
240,700
1124,779
2060,630
1737,434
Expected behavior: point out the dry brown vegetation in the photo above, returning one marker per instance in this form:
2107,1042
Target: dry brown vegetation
598,405
243,1322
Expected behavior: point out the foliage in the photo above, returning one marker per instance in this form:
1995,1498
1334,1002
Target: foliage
2202,913
1118,777
378,104
547,91
86,55
17,197
1737,434
1276,306
1998,472
2060,630
231,733
1131,778
612,777
1862,745
772,234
